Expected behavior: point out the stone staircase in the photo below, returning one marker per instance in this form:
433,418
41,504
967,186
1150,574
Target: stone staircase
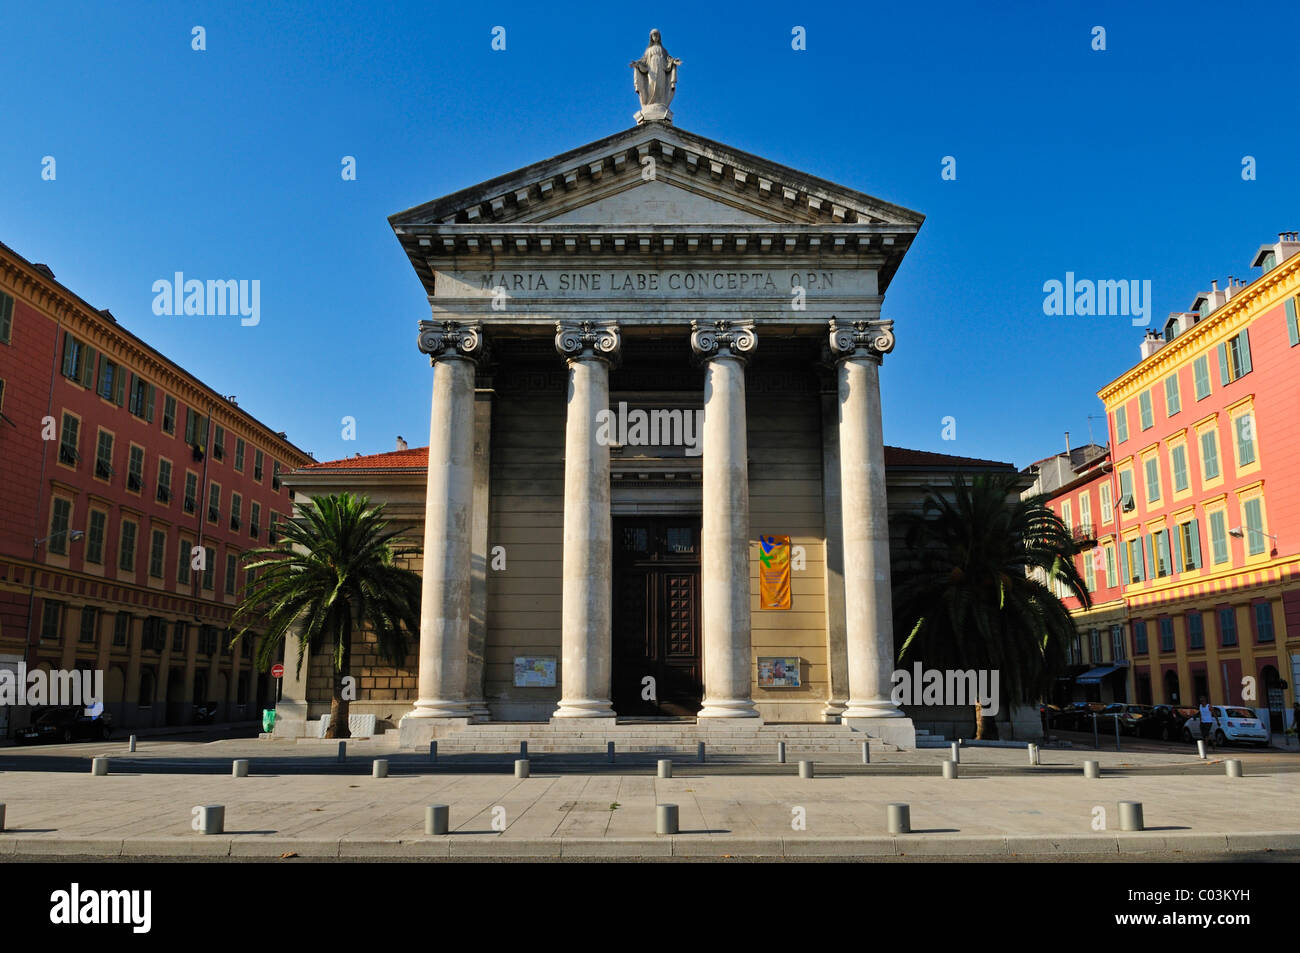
663,738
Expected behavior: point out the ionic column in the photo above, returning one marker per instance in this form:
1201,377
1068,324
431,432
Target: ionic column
858,349
587,588
724,540
453,350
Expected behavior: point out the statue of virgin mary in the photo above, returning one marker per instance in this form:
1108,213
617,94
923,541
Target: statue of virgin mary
655,78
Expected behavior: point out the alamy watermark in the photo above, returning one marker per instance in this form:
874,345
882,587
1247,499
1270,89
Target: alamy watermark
1107,297
213,297
650,428
79,688
922,686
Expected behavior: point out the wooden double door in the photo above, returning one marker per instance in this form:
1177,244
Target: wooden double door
656,625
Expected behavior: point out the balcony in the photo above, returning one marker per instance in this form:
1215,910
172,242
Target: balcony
1084,534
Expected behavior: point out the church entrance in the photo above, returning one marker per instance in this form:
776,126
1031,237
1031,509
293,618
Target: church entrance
656,625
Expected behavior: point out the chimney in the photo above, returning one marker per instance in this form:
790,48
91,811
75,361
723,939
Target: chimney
1067,443
1150,344
401,444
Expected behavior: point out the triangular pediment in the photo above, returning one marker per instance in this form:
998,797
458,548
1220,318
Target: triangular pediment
660,169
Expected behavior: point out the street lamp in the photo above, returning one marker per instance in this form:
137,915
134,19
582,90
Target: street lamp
1238,533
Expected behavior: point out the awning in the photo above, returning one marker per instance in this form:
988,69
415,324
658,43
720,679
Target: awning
1094,676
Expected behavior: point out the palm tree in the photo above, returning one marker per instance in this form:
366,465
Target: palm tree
332,573
973,591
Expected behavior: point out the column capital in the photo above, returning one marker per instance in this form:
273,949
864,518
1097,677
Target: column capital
452,339
872,339
712,339
588,340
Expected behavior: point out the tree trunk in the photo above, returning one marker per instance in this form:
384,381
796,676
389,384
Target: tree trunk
339,702
979,722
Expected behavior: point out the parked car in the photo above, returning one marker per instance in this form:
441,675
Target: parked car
205,714
1230,724
1078,716
1128,716
1165,722
65,724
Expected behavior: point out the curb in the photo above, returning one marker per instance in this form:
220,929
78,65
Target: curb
478,845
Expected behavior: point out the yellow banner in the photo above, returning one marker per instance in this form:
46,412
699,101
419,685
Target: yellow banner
774,572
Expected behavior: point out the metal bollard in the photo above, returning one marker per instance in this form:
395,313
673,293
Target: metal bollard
379,768
1234,768
665,818
609,751
240,768
1033,754
866,753
2,817
1130,816
343,751
950,769
900,818
521,769
433,751
99,767
436,818
956,752
665,768
212,819
523,750
699,752
131,745
1200,748
805,769
1116,723
780,752
1092,769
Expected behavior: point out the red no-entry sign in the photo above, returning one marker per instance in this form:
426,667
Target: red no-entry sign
277,670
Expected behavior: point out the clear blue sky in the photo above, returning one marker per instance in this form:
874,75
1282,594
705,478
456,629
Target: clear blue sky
225,163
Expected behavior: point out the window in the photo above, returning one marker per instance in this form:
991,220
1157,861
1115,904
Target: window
236,508
1085,512
95,537
1094,646
1218,537
1189,546
1144,410
68,440
1227,626
1089,574
59,521
1106,505
1234,358
104,456
1110,566
1135,558
143,395
1066,516
1244,426
6,318
112,381
1173,401
191,426
78,361
1166,627
179,631
169,416
1139,637
191,491
121,628
1195,631
1210,454
183,562
51,620
219,442
164,481
1292,329
209,567
257,465
1126,489
154,634
214,502
1256,541
1121,423
1076,653
1160,545
1201,377
1263,622
239,454
135,469
157,553
255,525
1117,650
126,551
231,564
1152,467
88,616
275,475
1178,459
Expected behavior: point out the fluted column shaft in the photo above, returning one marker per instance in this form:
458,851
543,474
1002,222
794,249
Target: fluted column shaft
587,586
724,538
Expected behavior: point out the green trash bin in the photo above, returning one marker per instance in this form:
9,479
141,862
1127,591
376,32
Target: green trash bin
268,719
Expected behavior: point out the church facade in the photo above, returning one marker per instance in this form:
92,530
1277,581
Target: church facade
656,484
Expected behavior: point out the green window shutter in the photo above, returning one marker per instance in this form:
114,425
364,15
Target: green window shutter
67,354
99,376
1178,550
1148,560
1223,364
1196,543
119,387
88,368
1292,326
6,317
149,402
1245,350
1123,563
